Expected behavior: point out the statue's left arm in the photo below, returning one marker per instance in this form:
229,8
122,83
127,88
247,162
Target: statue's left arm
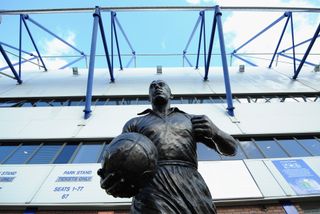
206,132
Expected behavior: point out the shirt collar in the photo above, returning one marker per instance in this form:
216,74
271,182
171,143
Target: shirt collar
150,111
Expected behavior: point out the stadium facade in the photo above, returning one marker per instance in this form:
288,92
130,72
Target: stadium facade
49,154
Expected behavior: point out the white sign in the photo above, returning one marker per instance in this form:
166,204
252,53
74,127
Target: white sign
18,183
76,183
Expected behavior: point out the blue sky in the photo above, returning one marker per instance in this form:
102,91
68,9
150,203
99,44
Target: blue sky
151,32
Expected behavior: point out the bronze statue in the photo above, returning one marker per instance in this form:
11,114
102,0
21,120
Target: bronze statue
176,187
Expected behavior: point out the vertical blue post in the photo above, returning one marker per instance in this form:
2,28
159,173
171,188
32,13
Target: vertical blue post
213,30
20,44
288,15
32,40
117,43
230,107
112,23
6,58
293,50
200,37
87,110
204,39
105,46
307,52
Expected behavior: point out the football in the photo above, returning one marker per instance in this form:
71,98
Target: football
130,160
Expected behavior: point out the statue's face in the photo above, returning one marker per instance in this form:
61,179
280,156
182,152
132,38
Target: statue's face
159,92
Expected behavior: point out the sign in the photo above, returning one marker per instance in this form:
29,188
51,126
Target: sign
302,179
18,183
74,183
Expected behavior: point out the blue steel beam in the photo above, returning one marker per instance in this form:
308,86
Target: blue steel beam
104,41
261,32
124,34
213,30
33,42
230,107
87,110
246,61
288,15
17,49
6,58
192,34
72,62
185,57
204,39
51,33
117,43
301,43
17,63
20,43
293,50
299,60
315,36
200,37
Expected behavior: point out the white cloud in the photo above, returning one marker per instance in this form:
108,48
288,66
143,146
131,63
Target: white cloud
193,1
56,47
240,26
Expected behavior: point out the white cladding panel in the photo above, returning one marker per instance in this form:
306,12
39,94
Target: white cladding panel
228,180
74,183
107,121
135,81
268,185
255,80
19,183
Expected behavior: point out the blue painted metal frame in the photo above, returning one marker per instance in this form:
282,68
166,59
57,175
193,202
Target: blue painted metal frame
246,61
20,43
315,36
96,17
190,38
97,22
288,15
6,58
18,63
24,17
72,62
217,23
113,15
299,60
261,32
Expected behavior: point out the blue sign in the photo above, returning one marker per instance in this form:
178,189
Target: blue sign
299,175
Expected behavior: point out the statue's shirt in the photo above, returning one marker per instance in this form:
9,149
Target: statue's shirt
172,134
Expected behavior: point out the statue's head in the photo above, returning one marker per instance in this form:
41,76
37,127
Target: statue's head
159,92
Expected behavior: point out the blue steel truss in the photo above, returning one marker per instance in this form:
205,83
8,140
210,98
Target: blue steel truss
115,26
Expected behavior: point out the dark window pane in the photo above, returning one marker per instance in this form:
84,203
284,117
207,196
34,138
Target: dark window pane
22,154
293,148
88,153
239,155
5,151
45,154
66,153
271,149
101,155
206,153
312,145
250,149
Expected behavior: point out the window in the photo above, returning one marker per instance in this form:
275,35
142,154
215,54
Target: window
66,153
22,154
250,149
5,151
238,156
271,149
312,145
293,148
88,153
206,153
45,154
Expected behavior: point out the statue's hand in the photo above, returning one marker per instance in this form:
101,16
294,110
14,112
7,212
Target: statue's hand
112,183
202,127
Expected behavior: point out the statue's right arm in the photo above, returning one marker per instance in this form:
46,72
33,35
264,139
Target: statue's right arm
130,126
